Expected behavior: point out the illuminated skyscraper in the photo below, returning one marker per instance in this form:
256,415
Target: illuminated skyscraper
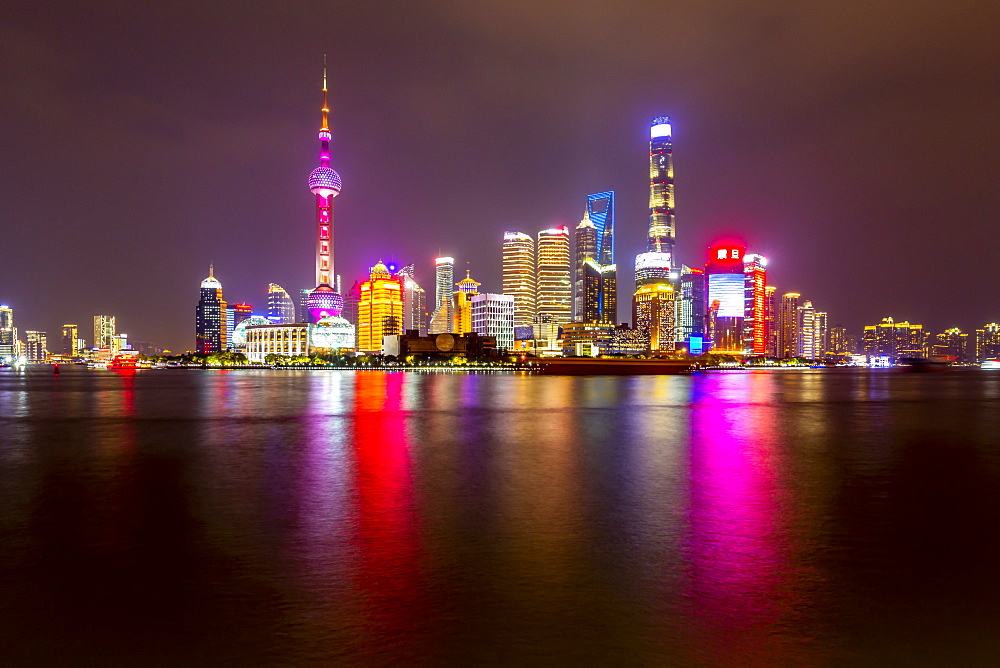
443,317
105,329
8,334
755,333
37,346
725,298
821,334
493,315
652,268
325,184
988,342
462,304
653,312
787,339
210,317
519,275
691,309
806,345
893,339
595,273
380,310
554,300
70,340
586,272
414,301
661,187
280,308
771,308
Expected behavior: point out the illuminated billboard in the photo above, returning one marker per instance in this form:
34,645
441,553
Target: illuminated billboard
727,289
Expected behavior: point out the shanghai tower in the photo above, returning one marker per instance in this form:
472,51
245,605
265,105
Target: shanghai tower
661,189
324,301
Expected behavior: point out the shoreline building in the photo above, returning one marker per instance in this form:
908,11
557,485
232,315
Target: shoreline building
380,311
105,329
661,188
493,316
893,340
36,346
210,318
771,309
554,286
987,342
8,334
755,316
70,340
595,273
324,301
725,284
519,275
787,334
444,278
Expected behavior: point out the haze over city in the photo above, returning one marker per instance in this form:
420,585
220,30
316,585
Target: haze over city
853,145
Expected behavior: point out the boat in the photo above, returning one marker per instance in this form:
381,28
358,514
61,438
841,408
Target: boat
123,362
588,366
990,364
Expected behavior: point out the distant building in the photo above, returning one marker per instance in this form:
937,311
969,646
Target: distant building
493,316
210,317
280,309
726,293
351,302
771,309
414,301
235,314
595,273
755,316
104,325
893,339
787,336
586,338
839,344
952,345
70,340
443,316
987,342
37,346
661,187
653,307
691,306
554,287
652,267
805,346
461,308
380,310
8,333
519,275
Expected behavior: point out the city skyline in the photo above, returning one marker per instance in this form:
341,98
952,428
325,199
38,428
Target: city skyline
755,165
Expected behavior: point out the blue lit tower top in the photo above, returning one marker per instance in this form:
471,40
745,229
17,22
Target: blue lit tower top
601,212
661,188
324,183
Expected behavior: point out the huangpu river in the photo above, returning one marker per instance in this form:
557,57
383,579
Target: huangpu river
770,518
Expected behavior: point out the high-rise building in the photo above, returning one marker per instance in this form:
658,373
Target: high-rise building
37,346
380,309
586,274
280,308
210,317
554,291
988,342
755,319
839,343
302,305
653,312
8,334
952,345
104,325
414,301
595,272
661,187
806,328
787,339
235,314
461,308
519,275
725,298
493,315
821,334
324,300
771,311
892,339
443,317
691,309
652,267
70,340
351,305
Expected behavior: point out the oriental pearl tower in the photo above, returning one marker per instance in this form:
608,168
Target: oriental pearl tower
324,182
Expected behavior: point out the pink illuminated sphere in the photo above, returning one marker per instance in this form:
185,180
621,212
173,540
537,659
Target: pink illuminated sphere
324,302
325,182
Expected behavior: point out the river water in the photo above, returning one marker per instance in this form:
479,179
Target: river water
729,518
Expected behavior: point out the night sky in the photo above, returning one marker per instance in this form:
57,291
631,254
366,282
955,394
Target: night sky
855,144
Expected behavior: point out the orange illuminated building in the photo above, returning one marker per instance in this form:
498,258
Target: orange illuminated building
380,309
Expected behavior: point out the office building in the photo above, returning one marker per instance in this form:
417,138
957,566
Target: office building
821,334
806,329
893,340
210,317
595,273
324,300
987,342
36,348
691,309
380,309
755,316
104,325
771,311
653,313
725,295
951,345
519,275
554,291
787,339
70,340
443,316
280,309
839,344
8,334
661,187
493,316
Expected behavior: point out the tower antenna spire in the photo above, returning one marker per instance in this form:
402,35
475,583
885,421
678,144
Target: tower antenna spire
326,107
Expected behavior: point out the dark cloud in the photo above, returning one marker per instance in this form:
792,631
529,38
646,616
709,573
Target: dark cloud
854,143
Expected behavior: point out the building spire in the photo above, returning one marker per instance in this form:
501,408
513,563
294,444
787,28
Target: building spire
211,270
326,107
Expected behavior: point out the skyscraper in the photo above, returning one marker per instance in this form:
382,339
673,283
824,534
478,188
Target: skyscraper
280,308
462,304
691,309
380,310
754,304
771,309
105,330
325,184
443,317
595,272
554,300
726,287
493,315
806,345
652,268
414,301
519,275
37,346
987,342
653,313
8,334
210,317
661,187
70,340
787,339
586,274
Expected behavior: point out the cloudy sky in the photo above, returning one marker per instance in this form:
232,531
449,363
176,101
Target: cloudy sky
855,143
